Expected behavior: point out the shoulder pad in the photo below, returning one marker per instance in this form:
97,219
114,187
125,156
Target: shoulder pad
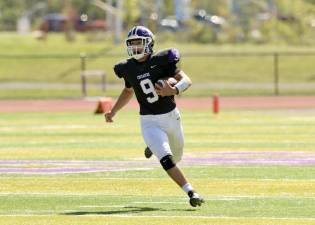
169,56
173,55
120,68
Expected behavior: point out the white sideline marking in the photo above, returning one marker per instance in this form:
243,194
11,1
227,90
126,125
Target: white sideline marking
100,170
154,178
216,198
205,217
83,178
53,193
166,216
48,127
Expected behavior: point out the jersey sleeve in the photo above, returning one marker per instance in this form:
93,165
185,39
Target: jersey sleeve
120,71
127,84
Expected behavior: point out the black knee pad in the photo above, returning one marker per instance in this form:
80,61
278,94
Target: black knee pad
167,162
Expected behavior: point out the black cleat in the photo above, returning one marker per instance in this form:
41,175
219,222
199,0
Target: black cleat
195,200
147,153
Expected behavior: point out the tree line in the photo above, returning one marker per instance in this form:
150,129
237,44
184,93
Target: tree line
258,21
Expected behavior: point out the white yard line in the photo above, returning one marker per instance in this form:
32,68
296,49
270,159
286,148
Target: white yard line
84,178
83,170
165,216
206,217
156,178
209,198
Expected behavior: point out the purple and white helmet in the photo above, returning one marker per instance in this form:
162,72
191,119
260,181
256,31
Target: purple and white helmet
146,36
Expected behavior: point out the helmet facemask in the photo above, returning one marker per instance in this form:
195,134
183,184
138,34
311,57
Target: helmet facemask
138,47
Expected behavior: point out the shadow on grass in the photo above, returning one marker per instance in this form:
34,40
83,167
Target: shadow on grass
124,210
127,209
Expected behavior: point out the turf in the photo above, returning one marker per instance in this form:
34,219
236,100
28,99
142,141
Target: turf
235,193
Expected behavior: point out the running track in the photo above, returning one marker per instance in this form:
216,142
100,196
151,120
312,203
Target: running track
270,102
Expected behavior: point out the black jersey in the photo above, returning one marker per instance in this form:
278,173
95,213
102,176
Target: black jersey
141,76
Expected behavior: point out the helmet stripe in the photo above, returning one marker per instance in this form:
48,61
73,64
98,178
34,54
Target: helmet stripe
134,31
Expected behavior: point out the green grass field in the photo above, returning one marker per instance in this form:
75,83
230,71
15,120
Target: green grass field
237,189
57,62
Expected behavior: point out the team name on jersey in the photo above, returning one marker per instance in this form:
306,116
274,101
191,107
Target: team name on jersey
143,76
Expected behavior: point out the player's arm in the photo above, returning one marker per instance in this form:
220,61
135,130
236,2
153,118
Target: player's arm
122,100
183,83
170,59
125,95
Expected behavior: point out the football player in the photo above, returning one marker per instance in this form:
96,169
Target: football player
160,119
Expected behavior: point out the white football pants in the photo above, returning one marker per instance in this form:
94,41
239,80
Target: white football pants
163,134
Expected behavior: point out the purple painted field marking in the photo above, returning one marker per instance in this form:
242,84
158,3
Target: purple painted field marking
73,162
62,170
250,158
190,159
70,166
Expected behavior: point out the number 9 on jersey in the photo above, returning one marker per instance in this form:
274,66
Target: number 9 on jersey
148,88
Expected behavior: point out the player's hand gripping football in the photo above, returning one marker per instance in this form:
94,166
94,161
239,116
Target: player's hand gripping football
165,89
109,116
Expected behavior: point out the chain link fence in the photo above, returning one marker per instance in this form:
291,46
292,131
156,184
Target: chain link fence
225,73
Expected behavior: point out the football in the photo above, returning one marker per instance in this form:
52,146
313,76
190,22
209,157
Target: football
171,80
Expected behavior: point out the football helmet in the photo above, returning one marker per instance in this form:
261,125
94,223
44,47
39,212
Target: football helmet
145,43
